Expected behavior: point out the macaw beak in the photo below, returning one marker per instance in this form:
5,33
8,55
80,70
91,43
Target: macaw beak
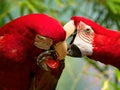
72,49
61,47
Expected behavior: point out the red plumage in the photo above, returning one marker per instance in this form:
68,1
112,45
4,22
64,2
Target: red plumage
17,51
106,43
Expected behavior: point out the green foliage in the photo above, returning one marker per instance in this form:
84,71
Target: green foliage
108,85
104,12
117,73
113,6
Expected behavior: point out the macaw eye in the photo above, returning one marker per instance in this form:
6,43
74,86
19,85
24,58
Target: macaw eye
88,30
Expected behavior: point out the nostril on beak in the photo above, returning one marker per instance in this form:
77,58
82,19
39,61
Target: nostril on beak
73,51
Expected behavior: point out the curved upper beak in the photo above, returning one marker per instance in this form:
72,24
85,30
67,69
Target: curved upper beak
69,27
61,47
72,49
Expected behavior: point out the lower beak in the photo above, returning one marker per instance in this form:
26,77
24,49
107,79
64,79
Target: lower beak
73,51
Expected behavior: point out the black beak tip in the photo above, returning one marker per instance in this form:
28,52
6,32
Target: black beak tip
73,51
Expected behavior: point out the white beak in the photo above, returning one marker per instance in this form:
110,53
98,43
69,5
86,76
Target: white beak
61,47
69,28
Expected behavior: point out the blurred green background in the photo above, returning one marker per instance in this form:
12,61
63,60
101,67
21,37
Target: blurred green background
79,73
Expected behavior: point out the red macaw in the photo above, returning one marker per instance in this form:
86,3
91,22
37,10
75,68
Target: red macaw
21,43
94,41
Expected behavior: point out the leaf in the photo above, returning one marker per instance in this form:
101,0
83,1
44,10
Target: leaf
117,73
105,85
30,6
113,5
115,1
59,2
10,16
22,8
38,6
109,85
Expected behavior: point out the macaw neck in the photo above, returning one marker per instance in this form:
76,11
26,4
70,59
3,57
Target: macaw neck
106,48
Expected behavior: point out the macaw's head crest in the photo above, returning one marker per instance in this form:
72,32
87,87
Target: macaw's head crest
94,41
46,26
96,27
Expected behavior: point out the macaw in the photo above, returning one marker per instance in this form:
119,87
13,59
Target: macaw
94,41
30,45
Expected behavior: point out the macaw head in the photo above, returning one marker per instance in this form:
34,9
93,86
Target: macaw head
93,41
30,45
40,34
50,36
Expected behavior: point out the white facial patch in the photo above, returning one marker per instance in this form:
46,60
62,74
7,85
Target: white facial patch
85,48
84,39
